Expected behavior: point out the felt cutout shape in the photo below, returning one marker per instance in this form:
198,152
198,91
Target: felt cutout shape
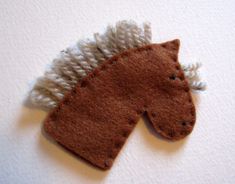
95,118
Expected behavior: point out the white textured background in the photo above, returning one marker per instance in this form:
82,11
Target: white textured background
33,32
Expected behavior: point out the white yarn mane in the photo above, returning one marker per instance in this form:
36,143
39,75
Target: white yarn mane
77,61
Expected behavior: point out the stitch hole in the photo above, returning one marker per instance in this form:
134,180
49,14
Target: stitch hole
192,112
172,77
118,144
177,67
103,67
139,111
111,155
84,84
184,123
92,75
153,114
66,101
73,91
58,109
186,89
148,47
173,57
113,62
96,72
181,77
131,121
160,127
53,117
171,133
124,133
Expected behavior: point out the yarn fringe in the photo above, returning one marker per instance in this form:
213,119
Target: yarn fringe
77,61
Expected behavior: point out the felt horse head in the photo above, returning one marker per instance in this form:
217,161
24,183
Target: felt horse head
98,94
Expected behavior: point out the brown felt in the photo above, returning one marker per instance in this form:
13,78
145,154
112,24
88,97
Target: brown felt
95,119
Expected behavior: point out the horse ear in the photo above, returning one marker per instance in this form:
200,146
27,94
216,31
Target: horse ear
172,46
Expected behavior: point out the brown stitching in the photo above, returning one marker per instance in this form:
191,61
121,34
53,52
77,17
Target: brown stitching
186,89
184,123
145,106
96,72
160,127
153,114
191,123
164,45
74,90
111,155
192,111
112,61
92,75
84,83
103,67
182,78
172,77
124,55
174,57
131,121
108,163
118,144
125,133
53,116
139,111
171,133
58,108
66,101
149,47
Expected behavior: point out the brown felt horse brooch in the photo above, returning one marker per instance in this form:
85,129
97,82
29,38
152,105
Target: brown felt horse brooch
97,91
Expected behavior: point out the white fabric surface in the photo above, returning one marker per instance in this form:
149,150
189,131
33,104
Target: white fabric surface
33,32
